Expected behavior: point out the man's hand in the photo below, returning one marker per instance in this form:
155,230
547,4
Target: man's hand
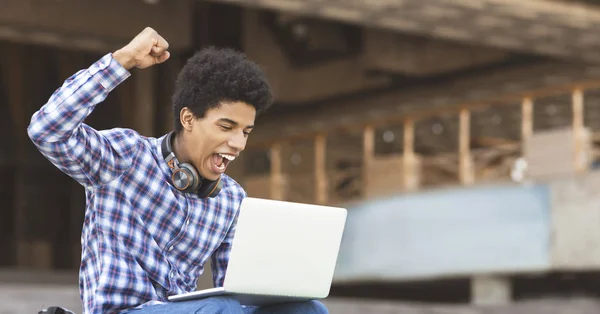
146,49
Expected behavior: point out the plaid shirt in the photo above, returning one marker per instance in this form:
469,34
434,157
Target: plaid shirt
142,239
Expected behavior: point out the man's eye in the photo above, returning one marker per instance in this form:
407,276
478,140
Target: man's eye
227,128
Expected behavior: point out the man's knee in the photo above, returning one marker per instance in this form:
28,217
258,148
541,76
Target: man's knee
219,305
320,307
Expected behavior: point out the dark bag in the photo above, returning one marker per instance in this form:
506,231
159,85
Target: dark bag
55,310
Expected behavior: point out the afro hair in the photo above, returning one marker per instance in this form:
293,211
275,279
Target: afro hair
216,75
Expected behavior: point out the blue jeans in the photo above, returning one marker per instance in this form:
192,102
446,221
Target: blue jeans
226,305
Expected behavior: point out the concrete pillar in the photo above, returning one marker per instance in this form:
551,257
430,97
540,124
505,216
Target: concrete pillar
490,290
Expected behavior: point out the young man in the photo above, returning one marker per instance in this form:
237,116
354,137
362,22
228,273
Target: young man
157,208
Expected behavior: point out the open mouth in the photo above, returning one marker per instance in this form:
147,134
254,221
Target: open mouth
222,160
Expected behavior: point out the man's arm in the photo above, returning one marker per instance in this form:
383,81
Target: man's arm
58,131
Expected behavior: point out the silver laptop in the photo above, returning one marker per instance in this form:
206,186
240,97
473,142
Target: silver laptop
281,252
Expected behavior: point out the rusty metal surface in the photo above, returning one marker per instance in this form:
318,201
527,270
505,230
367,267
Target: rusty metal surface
560,29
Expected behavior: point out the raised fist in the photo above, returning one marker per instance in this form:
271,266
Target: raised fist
146,49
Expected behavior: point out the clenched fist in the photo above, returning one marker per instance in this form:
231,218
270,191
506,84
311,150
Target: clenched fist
146,49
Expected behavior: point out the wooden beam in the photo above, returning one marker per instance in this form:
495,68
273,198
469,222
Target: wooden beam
170,70
409,160
578,129
526,120
303,84
276,174
321,184
14,78
504,100
69,62
466,172
492,141
73,23
13,62
368,154
416,56
416,17
144,105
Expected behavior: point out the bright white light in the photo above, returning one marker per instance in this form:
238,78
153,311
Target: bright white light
388,136
519,168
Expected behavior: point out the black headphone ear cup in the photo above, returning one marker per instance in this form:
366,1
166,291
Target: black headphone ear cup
185,178
210,188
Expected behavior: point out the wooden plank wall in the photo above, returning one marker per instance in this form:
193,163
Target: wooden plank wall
6,185
41,208
466,165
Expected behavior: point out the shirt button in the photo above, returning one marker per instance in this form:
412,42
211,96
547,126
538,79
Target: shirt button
187,222
171,248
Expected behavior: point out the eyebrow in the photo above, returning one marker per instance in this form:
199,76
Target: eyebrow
234,123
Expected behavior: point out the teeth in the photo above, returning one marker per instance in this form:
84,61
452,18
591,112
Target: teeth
228,157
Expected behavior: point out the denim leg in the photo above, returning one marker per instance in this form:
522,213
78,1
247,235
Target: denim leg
305,307
213,305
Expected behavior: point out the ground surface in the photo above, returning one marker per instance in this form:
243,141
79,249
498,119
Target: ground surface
30,298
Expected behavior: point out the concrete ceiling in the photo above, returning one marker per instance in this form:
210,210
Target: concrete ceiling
552,28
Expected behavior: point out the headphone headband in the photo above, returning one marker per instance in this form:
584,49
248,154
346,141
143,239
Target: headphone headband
166,148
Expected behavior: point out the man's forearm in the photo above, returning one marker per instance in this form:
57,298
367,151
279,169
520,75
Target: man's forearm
124,58
71,104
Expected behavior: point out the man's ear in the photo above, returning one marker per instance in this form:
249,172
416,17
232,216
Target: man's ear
186,116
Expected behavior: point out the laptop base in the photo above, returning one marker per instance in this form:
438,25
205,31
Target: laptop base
243,298
262,300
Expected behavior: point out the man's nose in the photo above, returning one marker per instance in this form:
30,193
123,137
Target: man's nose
238,142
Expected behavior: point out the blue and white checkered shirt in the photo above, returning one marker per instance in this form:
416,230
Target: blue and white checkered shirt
142,239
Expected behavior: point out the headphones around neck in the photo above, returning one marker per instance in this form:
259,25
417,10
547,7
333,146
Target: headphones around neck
185,178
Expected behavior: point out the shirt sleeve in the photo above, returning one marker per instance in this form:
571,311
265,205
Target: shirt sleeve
57,130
